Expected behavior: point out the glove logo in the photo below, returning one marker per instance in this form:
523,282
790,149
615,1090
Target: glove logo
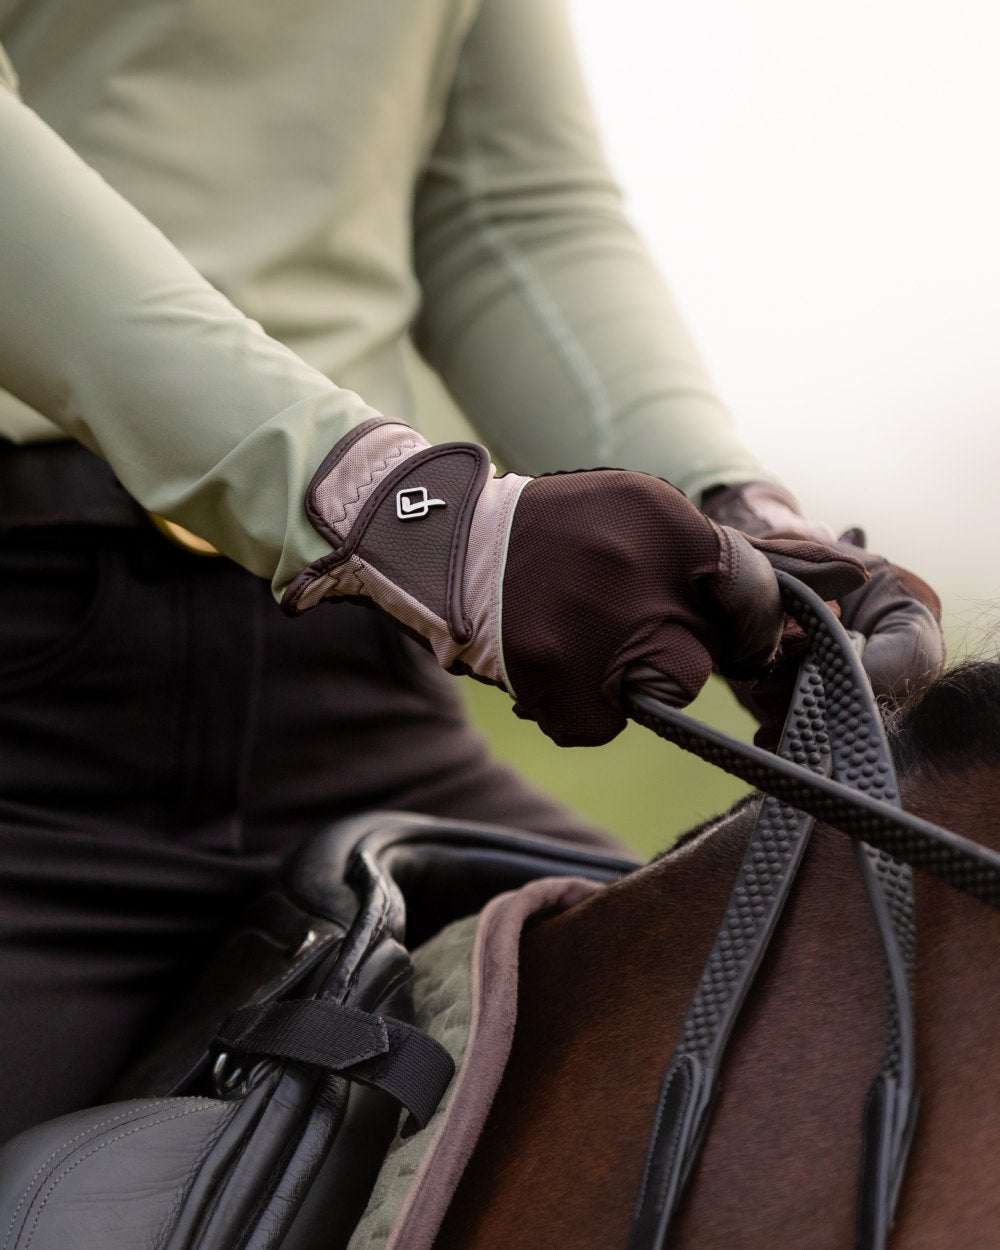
412,503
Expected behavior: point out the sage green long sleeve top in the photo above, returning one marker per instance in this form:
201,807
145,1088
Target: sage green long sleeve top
344,174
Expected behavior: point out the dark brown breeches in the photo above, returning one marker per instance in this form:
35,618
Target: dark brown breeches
166,738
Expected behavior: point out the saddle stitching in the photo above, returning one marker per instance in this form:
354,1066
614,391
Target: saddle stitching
54,1184
124,1115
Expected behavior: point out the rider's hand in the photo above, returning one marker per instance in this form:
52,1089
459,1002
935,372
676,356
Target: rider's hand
897,612
555,587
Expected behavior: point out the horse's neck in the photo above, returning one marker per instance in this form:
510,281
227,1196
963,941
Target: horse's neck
951,1197
785,1142
604,991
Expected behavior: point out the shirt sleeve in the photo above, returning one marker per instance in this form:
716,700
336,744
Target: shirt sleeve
8,78
543,311
109,332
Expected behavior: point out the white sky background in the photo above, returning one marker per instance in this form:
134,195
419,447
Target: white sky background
821,184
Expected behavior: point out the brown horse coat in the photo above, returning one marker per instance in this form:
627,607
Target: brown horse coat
604,988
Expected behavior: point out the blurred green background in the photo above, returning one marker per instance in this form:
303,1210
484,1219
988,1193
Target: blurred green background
638,786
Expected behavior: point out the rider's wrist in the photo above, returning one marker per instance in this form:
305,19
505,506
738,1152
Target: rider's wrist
419,532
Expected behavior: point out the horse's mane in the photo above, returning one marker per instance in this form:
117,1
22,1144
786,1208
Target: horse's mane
743,803
953,725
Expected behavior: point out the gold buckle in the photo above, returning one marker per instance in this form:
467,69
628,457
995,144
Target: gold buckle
182,537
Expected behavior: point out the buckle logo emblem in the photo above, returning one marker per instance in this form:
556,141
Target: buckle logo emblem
413,503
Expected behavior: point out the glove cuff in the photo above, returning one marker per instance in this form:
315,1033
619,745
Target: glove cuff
417,531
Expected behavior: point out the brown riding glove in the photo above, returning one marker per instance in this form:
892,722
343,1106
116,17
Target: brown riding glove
552,588
897,612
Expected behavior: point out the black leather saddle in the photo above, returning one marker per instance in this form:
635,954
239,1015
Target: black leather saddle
262,1117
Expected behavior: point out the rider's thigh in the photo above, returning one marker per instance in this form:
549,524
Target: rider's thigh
167,737
96,934
355,716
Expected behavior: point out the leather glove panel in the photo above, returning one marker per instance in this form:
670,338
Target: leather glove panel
896,611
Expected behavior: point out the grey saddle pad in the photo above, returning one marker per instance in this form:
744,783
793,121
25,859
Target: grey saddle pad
466,996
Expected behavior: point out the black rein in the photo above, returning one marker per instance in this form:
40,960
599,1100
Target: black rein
833,727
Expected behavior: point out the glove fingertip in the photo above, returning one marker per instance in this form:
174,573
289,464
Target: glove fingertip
577,726
900,665
673,667
655,682
917,588
831,573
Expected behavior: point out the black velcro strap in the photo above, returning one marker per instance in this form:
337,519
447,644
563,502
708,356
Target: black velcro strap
375,1050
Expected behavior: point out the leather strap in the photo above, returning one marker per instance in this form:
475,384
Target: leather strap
890,1110
817,737
687,1095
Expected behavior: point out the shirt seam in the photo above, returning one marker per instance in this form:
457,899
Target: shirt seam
556,329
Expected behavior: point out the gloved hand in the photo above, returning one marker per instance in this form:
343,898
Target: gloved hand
553,588
897,612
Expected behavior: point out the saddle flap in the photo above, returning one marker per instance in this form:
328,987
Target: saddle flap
110,1178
